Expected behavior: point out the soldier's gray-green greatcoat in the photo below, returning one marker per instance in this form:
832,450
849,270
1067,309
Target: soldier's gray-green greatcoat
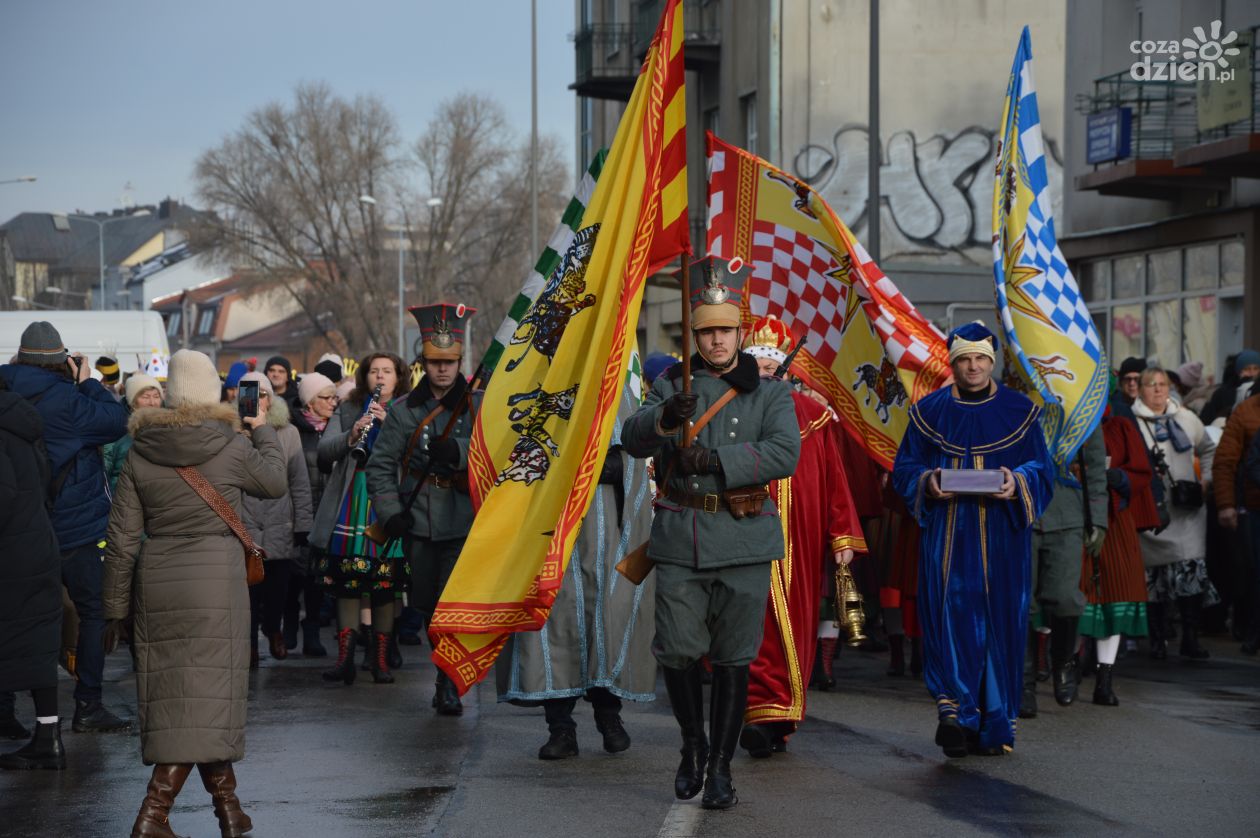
442,514
713,572
1059,537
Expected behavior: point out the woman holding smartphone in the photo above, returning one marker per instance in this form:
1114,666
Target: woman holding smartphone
354,566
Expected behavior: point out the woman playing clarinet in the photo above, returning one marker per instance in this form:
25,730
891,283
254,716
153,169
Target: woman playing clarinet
353,565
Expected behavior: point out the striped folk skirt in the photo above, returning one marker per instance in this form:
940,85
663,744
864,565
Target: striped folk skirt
1115,585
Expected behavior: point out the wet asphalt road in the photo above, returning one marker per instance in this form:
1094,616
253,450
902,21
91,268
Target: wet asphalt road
1180,756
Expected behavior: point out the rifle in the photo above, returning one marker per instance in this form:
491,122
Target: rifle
783,368
376,532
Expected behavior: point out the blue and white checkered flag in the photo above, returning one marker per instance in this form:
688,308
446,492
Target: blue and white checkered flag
1051,339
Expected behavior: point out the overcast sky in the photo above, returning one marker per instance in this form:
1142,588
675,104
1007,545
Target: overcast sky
100,94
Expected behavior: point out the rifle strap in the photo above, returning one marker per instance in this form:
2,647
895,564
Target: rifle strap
415,436
706,417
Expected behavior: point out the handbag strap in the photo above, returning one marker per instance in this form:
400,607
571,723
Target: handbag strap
199,484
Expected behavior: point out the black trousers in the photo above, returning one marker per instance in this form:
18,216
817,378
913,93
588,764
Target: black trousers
267,599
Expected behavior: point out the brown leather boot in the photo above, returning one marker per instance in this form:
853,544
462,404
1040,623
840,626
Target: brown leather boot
277,647
220,780
154,820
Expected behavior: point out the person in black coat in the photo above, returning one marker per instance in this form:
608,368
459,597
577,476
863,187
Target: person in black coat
30,581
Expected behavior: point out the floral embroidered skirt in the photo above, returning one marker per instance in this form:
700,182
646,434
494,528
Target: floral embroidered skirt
354,564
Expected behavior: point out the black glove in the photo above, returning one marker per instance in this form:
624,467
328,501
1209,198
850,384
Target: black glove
444,452
115,630
398,525
678,408
1118,482
300,539
697,460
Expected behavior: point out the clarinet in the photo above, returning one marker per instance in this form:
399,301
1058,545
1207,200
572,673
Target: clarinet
360,450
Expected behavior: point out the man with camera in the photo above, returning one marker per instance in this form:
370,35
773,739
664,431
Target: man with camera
79,417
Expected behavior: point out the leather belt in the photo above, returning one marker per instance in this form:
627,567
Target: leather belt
710,502
458,482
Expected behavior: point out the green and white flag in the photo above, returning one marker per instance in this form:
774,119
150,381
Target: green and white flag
557,245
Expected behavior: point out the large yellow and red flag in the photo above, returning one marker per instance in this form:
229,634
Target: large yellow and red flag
539,442
864,345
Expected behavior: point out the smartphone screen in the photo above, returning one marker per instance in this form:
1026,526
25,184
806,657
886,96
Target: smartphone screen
247,398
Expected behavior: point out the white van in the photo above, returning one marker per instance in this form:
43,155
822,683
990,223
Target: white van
133,337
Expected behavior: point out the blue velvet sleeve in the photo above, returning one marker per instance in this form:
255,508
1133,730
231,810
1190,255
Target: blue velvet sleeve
1034,480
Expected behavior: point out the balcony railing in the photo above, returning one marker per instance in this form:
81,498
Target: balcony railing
606,64
1165,114
701,23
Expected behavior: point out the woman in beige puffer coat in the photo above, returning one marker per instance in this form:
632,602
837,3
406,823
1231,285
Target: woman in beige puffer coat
185,586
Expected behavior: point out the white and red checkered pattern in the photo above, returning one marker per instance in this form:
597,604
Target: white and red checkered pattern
892,314
790,279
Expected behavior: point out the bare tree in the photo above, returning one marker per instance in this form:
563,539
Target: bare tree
476,247
285,191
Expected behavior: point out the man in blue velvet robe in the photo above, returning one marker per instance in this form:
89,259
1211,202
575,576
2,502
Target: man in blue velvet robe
975,553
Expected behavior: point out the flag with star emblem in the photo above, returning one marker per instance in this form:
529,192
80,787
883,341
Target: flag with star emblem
1049,333
865,347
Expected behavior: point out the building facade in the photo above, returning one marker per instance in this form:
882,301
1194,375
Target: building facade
1162,165
788,80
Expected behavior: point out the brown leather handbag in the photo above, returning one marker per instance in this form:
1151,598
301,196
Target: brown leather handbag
254,554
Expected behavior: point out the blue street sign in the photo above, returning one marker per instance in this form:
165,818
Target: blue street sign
1108,135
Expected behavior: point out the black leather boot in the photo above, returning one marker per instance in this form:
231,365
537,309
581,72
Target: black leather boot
1155,621
1028,695
916,656
757,741
686,696
379,659
951,738
311,645
92,717
1190,609
43,751
392,653
1063,659
608,720
897,659
343,669
446,697
730,697
1102,687
563,740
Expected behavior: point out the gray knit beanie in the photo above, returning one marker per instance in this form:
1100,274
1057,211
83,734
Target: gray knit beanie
41,344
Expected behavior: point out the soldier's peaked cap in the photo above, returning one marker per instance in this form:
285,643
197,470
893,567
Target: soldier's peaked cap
715,289
443,329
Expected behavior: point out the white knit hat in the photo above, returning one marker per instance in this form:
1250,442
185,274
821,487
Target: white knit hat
192,380
311,385
137,383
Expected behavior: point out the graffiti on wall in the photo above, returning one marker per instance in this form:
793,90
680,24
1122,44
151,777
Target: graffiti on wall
936,192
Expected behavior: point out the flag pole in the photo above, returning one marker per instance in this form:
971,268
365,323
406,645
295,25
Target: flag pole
684,278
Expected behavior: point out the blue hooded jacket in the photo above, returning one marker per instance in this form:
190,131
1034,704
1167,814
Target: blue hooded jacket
78,419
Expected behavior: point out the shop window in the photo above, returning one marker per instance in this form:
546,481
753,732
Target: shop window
172,324
1096,280
1163,331
1128,277
1126,333
1163,272
1199,330
1232,264
1203,266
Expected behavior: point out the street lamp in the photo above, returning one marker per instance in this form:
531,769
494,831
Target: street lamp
100,240
431,203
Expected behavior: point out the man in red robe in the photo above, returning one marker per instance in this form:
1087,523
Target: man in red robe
821,522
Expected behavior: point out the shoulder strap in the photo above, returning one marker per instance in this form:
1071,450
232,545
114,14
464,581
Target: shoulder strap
199,484
415,436
708,415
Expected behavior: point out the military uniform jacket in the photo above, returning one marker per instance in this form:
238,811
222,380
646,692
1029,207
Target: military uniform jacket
756,438
441,512
1066,510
